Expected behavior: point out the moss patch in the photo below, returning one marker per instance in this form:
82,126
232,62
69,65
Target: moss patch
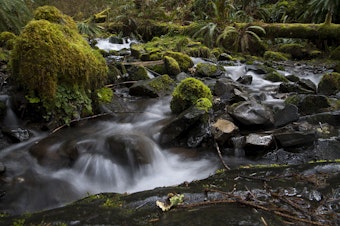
275,76
171,66
276,56
186,94
329,84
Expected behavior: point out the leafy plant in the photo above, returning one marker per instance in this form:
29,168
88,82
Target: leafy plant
14,14
242,35
323,8
207,34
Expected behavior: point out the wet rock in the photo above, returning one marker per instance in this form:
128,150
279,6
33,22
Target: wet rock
245,79
258,69
332,118
16,135
136,73
116,40
293,78
198,134
181,124
251,113
224,57
257,143
295,138
181,76
227,90
309,104
130,149
286,115
222,130
307,84
156,87
293,88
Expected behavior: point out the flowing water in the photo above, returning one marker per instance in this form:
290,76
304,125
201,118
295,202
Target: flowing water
113,154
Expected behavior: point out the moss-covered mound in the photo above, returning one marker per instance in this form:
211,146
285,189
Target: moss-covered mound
329,84
276,56
56,67
187,93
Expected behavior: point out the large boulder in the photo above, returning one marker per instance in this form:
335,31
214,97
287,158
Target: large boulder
290,113
208,70
309,104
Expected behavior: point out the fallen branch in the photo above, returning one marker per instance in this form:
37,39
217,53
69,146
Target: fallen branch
220,155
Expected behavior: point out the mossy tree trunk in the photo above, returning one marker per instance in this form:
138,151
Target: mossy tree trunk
297,30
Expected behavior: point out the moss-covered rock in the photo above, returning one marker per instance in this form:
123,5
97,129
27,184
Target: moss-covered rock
297,51
56,67
171,66
208,70
156,87
136,73
137,50
186,94
276,56
275,76
329,84
183,60
309,104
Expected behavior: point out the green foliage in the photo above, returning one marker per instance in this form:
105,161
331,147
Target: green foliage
207,34
105,94
186,94
53,62
174,200
335,54
89,29
113,202
322,9
14,14
243,36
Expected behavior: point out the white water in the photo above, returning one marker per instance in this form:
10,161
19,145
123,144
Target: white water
104,44
98,167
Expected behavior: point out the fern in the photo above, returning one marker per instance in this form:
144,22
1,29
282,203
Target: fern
14,14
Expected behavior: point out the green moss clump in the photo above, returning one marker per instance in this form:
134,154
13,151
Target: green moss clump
137,73
162,83
171,66
276,56
275,76
204,104
183,60
186,94
7,40
51,60
329,84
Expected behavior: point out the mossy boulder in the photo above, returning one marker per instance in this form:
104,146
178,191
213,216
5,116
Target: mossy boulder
171,66
156,87
335,54
136,73
276,56
329,84
297,51
187,93
208,70
275,76
137,50
183,60
309,104
56,67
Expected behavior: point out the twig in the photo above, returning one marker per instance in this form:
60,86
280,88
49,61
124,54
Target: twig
220,155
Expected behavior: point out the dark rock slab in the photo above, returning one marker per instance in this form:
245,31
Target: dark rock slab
288,114
295,138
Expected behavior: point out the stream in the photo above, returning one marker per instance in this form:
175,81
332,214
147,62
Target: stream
118,153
